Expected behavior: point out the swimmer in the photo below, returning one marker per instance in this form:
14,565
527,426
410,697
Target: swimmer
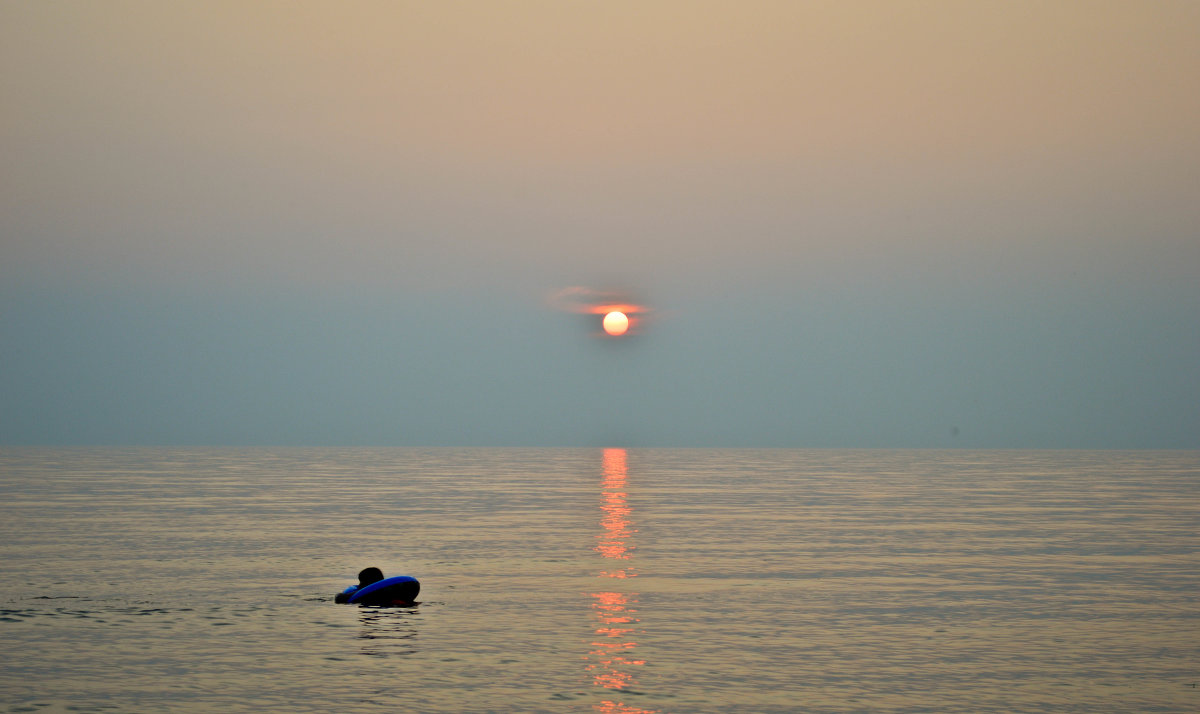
365,577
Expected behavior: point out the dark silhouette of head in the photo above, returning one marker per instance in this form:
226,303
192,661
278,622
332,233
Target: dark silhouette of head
369,575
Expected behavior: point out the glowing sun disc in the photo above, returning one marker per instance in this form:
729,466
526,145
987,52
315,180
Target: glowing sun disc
616,323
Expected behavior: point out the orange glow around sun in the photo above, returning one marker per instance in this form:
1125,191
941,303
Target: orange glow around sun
617,314
619,318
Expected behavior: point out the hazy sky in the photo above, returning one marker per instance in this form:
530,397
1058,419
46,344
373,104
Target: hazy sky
864,224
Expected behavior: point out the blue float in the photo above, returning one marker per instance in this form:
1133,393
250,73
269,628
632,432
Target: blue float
399,590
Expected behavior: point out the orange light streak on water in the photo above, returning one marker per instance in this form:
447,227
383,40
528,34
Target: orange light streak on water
618,528
612,662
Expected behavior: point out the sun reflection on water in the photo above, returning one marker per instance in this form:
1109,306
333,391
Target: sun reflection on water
611,659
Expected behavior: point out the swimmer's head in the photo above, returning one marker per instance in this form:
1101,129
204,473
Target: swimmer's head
369,575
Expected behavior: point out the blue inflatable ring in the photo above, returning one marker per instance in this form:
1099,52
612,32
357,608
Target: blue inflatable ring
400,590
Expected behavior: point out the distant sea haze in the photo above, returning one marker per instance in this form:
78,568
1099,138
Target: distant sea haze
600,580
894,224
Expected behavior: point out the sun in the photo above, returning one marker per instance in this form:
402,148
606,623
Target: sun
616,323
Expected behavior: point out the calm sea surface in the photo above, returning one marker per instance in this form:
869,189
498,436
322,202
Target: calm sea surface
600,580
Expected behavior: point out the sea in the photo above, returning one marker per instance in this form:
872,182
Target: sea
604,580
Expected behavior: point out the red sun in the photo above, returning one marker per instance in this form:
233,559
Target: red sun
616,323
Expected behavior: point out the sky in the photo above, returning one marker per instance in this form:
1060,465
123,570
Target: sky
872,224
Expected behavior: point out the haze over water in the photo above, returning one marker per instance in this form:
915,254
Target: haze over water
869,224
601,580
